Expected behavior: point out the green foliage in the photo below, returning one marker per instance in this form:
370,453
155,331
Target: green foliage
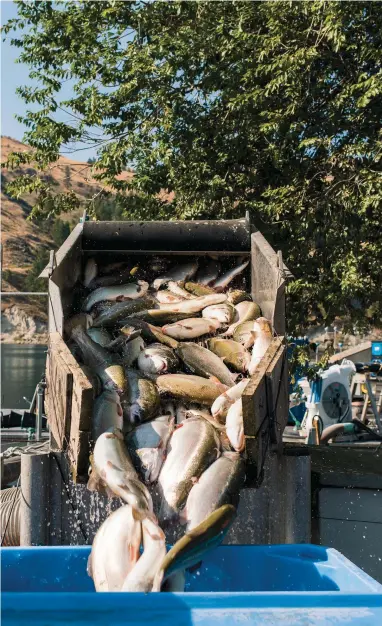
32,282
60,231
270,107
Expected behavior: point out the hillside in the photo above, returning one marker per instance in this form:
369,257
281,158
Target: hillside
22,240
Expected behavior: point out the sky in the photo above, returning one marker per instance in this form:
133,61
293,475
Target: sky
14,75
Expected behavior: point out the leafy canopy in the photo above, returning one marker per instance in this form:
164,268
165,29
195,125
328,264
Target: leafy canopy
271,107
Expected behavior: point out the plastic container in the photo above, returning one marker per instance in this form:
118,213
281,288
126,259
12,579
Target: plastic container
297,585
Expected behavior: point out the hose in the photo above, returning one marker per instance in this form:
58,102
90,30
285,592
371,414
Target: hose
10,516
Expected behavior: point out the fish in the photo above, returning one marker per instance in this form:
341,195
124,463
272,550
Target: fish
235,296
148,445
118,277
194,445
190,388
204,414
107,413
131,291
157,359
176,274
222,403
104,363
263,335
115,549
223,281
141,577
196,304
219,484
90,272
100,336
243,334
208,272
195,543
235,426
83,320
198,290
204,363
175,583
178,290
94,379
245,311
233,353
190,328
161,316
112,468
165,296
181,413
223,313
141,398
149,332
114,312
131,350
129,333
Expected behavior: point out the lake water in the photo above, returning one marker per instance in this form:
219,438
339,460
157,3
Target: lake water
21,369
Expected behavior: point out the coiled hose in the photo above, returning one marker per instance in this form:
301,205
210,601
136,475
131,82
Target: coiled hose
10,516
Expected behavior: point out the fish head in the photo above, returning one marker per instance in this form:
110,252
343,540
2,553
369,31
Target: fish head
263,326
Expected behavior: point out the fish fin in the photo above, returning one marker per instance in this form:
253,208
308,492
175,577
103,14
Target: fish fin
194,568
133,553
215,380
89,570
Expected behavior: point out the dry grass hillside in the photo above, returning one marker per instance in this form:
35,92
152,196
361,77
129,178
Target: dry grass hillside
22,239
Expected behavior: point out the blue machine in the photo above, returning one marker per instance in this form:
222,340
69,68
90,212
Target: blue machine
299,585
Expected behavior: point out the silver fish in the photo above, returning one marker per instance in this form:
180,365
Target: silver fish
115,550
243,333
235,296
176,273
193,447
179,291
90,272
196,304
118,277
223,281
105,364
222,403
142,397
195,411
107,413
165,296
198,290
235,426
100,336
263,333
219,484
158,359
223,313
203,362
141,578
131,350
190,388
114,312
148,445
190,328
208,273
112,468
131,291
148,331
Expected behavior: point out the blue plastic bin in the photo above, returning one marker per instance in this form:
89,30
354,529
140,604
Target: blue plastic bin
287,585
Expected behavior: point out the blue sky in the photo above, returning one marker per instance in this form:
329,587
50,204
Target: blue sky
12,76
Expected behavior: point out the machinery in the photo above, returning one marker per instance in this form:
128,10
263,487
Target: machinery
328,398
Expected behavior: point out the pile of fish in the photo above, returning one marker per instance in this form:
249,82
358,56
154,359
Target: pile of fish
169,347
